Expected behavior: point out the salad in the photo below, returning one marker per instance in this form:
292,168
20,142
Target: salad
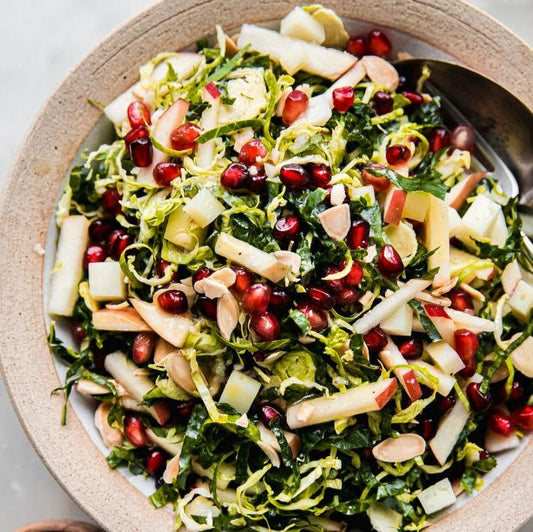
295,302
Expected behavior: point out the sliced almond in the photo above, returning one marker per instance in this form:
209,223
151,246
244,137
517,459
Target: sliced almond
522,358
226,276
289,258
123,320
400,449
270,452
381,71
111,436
445,288
227,314
212,288
179,371
475,294
162,350
172,469
336,221
88,388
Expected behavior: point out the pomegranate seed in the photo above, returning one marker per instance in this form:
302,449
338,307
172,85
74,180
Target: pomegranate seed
140,132
356,46
483,455
355,276
161,270
416,99
347,296
501,423
235,177
165,173
141,152
411,348
389,262
212,89
469,369
266,326
117,242
135,431
173,301
466,344
379,184
143,348
294,177
99,356
359,234
383,103
200,273
445,403
480,402
94,253
523,417
461,301
335,285
268,412
77,331
99,230
243,279
463,138
253,153
184,409
258,183
427,428
436,311
343,98
184,137
256,298
207,307
320,175
287,228
317,317
375,340
378,43
517,390
295,104
439,140
138,114
155,462
110,201
279,301
398,154
321,297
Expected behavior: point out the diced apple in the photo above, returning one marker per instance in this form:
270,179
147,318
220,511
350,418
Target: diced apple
336,221
522,357
437,497
404,447
499,232
382,518
521,302
117,110
400,323
106,281
301,25
511,276
123,320
478,221
181,230
250,257
366,192
170,445
496,443
416,206
445,357
445,382
459,260
437,237
209,120
454,221
475,324
444,324
204,208
448,433
367,397
394,203
240,391
73,240
174,329
403,240
459,192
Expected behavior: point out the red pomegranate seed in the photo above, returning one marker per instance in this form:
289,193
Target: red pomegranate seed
378,43
184,137
155,462
411,348
253,153
138,114
112,238
469,369
256,298
389,262
335,285
320,175
359,234
135,431
207,307
398,154
243,279
435,311
517,390
480,401
200,273
295,104
501,423
321,297
463,138
439,140
161,270
523,417
140,132
356,46
379,184
347,296
99,230
375,340
77,331
143,347
94,253
287,228
445,403
117,242
235,177
416,99
317,317
279,301
141,152
258,183
383,103
461,301
173,301
427,428
294,177
165,173
212,89
268,412
265,326
355,276
184,409
110,201
343,98
466,344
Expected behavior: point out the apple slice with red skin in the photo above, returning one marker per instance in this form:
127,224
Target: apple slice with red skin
460,192
522,358
443,323
393,206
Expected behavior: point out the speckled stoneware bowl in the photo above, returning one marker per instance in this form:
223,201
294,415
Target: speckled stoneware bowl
73,453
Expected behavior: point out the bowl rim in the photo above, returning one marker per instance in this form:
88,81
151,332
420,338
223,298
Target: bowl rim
48,148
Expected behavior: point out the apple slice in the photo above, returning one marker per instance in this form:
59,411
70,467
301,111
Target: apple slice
174,329
499,232
400,323
167,444
521,302
522,358
383,519
367,397
179,371
450,428
437,237
459,192
208,120
511,276
472,323
240,391
454,221
336,221
204,208
111,436
437,497
73,241
443,323
123,320
106,281
496,443
445,382
478,220
403,240
416,206
445,357
117,110
181,230
393,206
299,24
404,447
162,350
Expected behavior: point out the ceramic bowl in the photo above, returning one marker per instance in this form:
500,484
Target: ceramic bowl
445,29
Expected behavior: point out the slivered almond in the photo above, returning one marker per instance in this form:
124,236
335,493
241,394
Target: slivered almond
123,320
336,221
179,371
226,276
227,314
400,449
111,436
88,388
172,469
212,288
381,71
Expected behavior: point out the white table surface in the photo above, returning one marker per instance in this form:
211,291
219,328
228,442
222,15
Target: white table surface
40,42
